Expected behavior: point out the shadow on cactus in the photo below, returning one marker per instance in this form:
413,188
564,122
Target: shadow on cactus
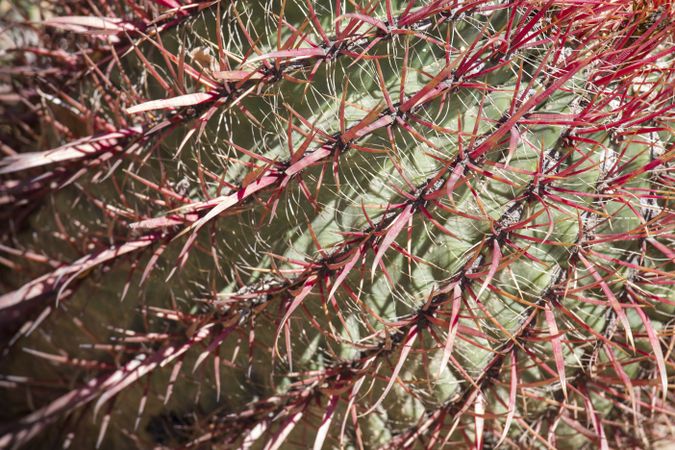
298,223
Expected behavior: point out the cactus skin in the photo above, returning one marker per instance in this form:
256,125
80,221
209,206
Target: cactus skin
388,224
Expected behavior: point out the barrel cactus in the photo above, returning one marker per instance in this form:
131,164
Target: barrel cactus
366,224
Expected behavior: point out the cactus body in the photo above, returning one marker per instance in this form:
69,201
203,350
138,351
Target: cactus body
280,224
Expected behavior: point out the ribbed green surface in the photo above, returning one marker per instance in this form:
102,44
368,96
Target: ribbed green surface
570,141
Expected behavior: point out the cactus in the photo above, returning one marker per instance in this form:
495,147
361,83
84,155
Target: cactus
283,224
